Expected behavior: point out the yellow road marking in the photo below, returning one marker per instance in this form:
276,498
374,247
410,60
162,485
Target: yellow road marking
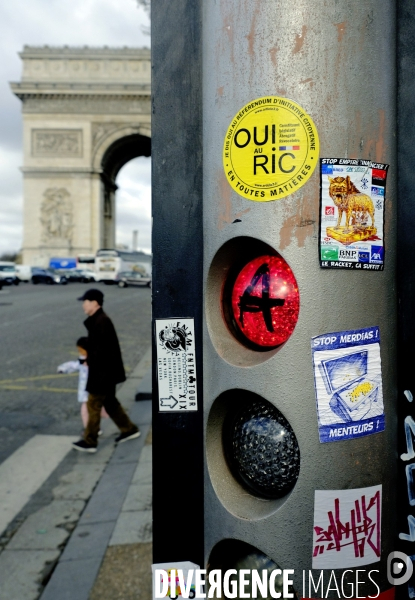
48,389
10,384
55,376
35,389
14,387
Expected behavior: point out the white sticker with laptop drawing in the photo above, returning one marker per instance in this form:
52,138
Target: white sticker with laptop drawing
348,384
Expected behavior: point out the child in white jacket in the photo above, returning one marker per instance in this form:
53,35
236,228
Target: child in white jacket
81,365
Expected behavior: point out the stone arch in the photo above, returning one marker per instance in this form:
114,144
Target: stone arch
114,134
86,112
114,152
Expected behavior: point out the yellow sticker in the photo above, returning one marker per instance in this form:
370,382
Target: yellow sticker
271,149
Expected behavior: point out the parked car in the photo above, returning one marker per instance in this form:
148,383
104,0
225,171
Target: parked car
89,276
24,272
82,275
49,276
8,274
126,278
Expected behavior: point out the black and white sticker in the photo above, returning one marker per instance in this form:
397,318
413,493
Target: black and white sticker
176,365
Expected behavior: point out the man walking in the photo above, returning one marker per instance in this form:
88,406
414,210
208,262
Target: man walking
106,369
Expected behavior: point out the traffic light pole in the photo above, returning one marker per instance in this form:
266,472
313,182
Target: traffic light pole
336,61
270,281
177,274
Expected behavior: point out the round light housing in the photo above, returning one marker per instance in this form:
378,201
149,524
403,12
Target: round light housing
235,554
261,449
264,302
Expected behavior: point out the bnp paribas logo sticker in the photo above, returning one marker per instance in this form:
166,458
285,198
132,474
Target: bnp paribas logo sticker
329,253
271,149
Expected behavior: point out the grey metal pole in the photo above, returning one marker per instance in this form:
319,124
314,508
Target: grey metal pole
406,278
177,272
337,61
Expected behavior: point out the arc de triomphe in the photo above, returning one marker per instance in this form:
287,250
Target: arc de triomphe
86,112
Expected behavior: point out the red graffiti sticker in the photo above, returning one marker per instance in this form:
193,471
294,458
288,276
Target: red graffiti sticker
347,525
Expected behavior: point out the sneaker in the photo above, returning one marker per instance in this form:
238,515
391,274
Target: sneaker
82,446
124,437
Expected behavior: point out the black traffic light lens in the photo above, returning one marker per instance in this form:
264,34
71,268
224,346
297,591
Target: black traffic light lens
261,449
234,554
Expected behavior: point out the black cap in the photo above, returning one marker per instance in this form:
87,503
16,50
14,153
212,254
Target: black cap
93,294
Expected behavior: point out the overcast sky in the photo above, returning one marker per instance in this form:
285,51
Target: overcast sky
59,23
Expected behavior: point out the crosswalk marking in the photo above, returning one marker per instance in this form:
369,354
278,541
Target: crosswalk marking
23,473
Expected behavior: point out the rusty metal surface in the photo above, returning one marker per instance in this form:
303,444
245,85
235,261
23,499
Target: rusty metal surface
337,60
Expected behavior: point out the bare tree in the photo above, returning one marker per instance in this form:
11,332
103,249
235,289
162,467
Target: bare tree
146,4
9,256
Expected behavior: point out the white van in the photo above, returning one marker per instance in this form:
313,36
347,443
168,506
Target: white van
24,272
8,273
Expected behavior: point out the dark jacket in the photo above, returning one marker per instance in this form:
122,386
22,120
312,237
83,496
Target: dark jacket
105,364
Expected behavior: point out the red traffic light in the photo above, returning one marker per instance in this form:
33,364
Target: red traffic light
265,302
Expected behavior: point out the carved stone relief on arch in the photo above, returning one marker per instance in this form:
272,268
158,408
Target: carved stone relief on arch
57,142
56,216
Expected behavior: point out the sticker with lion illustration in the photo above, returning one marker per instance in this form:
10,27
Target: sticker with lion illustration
352,208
